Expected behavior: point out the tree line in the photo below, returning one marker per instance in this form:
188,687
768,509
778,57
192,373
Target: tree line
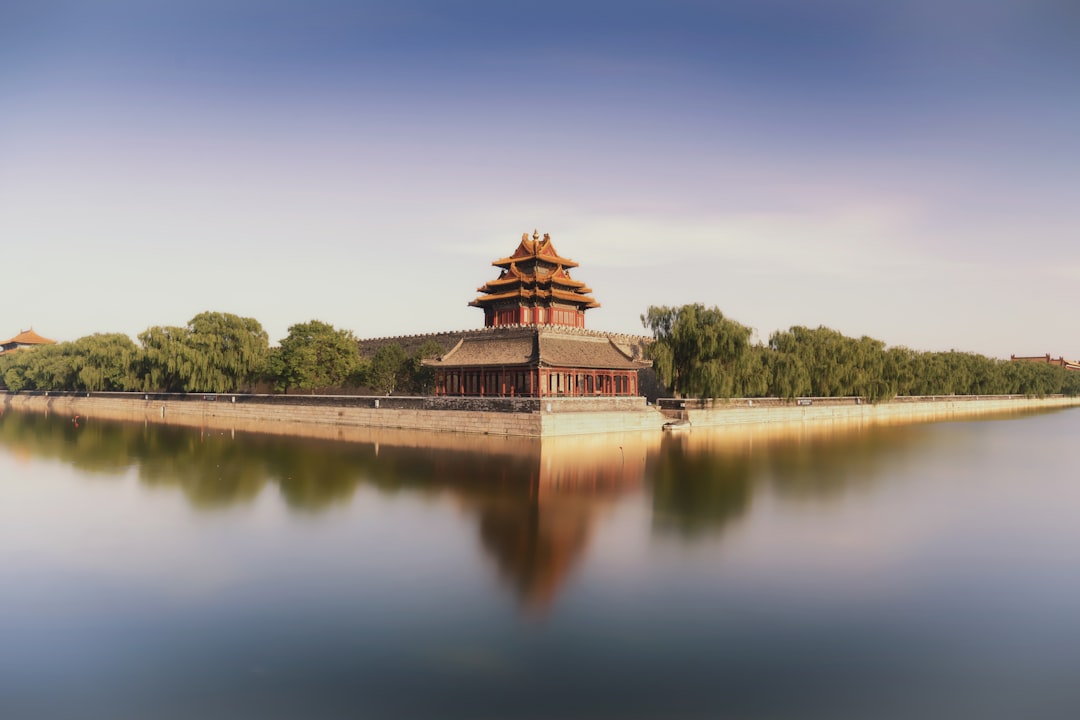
218,353
698,352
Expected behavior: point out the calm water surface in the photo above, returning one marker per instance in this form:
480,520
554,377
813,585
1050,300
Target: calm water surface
919,571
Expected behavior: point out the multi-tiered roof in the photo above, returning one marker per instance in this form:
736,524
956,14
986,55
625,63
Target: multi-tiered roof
535,288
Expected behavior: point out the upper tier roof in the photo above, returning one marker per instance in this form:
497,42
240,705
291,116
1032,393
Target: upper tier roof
535,272
536,248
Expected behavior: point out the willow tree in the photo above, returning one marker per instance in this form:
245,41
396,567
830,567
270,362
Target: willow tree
215,352
228,352
788,378
314,355
834,364
105,361
48,367
41,368
165,361
697,351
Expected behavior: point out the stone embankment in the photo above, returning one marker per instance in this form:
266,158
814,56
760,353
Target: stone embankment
713,413
525,417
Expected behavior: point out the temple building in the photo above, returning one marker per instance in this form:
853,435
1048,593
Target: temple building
534,288
535,343
25,339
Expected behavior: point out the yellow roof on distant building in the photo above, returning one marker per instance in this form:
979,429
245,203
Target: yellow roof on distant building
28,337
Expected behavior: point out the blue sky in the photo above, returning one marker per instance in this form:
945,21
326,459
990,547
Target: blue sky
909,172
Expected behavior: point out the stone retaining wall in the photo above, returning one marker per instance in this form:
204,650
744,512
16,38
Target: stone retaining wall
908,409
526,417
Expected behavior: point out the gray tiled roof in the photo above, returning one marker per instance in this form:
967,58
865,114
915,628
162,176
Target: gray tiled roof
548,346
492,350
583,352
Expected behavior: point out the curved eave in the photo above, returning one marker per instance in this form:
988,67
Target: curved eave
530,288
537,280
553,259
584,301
576,298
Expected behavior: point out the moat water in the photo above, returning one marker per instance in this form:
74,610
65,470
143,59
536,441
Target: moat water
909,571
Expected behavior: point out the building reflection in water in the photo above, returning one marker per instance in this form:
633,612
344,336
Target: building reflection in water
536,502
537,538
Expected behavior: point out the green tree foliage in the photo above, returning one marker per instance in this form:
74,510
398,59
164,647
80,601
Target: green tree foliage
314,355
95,362
105,361
165,359
387,369
228,352
833,364
750,375
216,352
49,367
697,351
421,378
700,352
13,375
788,377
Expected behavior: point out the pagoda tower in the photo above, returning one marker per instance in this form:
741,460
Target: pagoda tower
534,342
534,287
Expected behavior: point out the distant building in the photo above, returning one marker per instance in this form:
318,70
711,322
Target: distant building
25,339
534,343
1060,361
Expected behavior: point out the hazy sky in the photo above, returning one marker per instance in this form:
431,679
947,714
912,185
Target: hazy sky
910,170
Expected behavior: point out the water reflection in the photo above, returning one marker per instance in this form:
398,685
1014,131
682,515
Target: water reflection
706,479
535,503
820,571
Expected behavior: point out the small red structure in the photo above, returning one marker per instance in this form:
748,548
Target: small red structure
535,343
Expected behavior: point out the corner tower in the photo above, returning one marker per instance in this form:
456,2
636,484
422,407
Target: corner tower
534,287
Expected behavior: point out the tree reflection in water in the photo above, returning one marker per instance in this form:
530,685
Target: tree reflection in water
704,480
536,502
